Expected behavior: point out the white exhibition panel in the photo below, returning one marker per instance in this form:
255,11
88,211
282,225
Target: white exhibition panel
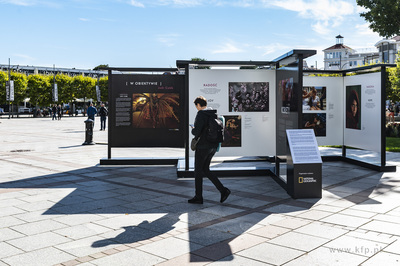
368,137
334,108
258,128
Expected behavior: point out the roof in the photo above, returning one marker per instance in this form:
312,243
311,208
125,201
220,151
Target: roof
338,46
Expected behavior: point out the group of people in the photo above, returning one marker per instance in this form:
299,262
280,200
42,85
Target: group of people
311,101
103,113
57,112
251,99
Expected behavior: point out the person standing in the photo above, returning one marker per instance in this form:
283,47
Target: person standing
204,153
91,112
59,112
103,116
54,112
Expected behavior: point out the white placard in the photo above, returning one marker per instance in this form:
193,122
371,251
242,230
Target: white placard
98,93
303,146
55,93
10,90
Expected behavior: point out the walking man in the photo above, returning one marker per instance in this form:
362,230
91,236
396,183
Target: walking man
91,112
204,153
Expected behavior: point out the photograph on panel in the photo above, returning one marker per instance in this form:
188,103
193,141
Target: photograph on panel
155,110
287,92
232,131
314,98
249,96
315,121
353,107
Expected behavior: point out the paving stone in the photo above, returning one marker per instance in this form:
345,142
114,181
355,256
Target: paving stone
356,246
321,230
298,241
291,223
170,247
6,250
269,253
8,221
383,258
205,236
384,227
81,231
85,247
34,242
269,231
314,214
394,247
345,220
129,257
239,261
327,257
34,228
8,234
43,257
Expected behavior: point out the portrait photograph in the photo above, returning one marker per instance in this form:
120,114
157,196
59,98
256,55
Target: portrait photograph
353,107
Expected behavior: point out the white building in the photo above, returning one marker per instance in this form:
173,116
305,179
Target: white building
340,56
388,50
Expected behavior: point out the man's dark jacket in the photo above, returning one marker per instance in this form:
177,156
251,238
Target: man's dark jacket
200,125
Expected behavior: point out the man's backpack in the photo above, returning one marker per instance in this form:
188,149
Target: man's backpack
215,130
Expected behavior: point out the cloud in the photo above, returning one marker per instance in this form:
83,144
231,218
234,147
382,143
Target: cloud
227,48
84,19
326,13
19,2
273,48
181,3
136,3
168,39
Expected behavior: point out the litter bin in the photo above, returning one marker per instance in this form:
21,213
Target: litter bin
89,132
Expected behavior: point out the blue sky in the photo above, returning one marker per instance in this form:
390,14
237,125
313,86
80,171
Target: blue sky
156,33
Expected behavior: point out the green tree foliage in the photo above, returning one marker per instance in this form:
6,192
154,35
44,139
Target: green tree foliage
100,67
103,84
3,79
197,59
84,87
393,89
39,90
20,86
383,16
64,86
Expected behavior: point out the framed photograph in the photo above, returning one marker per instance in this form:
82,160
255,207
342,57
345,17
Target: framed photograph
232,131
314,98
315,121
353,107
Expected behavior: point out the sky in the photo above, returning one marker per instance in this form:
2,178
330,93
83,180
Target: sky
83,34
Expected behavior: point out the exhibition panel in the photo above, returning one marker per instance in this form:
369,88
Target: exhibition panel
246,100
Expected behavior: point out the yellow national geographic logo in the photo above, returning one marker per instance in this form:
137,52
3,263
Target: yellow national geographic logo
301,179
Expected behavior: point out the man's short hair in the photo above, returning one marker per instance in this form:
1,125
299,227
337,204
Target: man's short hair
200,100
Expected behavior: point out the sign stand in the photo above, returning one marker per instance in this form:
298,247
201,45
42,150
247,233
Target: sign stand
304,165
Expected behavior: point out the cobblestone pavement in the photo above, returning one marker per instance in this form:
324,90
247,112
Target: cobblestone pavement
59,207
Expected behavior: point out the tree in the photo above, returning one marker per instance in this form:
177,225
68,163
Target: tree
84,87
100,67
393,88
3,79
103,84
197,59
39,90
383,16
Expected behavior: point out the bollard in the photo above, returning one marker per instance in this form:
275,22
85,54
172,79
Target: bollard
89,132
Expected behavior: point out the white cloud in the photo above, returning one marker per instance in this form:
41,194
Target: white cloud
273,48
136,3
168,39
84,19
19,2
326,13
181,3
227,48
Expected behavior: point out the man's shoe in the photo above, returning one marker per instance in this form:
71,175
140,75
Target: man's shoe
195,200
225,195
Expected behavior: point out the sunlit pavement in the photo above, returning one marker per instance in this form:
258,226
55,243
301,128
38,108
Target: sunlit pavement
58,206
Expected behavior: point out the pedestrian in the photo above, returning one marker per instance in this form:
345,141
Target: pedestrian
204,152
103,116
59,112
91,112
54,112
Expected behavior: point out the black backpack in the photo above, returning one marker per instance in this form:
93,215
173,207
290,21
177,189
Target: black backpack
215,130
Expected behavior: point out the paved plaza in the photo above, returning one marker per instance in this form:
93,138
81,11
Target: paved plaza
58,206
